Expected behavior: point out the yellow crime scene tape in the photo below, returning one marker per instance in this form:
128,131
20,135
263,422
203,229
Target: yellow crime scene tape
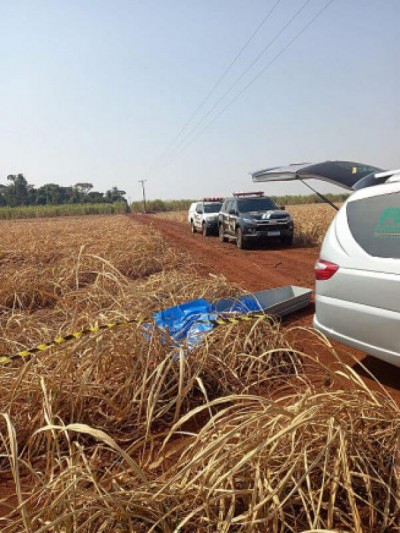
219,321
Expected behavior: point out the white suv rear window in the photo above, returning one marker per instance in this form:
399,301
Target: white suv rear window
375,224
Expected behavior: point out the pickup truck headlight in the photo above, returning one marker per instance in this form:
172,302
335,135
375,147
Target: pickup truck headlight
249,221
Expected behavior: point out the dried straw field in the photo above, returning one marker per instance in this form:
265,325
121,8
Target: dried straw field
119,431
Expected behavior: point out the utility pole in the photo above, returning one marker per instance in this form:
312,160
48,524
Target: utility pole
144,194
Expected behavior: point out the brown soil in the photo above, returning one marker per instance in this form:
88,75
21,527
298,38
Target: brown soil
267,267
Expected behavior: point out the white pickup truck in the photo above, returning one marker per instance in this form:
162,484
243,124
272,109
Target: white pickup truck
203,216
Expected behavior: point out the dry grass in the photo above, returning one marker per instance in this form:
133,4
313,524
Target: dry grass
91,273
119,432
311,221
174,216
65,273
324,460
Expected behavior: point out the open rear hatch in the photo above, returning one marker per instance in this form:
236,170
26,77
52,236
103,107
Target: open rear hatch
345,174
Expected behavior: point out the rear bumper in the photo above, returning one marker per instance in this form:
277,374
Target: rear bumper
371,330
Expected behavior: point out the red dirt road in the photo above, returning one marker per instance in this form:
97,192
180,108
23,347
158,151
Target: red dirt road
267,268
254,269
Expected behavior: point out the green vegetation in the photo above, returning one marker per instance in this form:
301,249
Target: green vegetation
18,192
36,211
161,206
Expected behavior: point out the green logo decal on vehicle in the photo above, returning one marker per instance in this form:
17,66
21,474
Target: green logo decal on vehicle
388,224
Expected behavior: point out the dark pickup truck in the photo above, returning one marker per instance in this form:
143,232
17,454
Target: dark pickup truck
249,217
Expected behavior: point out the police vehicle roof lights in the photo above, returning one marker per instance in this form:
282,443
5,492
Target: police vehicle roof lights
257,194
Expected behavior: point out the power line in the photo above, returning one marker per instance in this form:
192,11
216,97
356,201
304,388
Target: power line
234,84
273,60
223,75
217,83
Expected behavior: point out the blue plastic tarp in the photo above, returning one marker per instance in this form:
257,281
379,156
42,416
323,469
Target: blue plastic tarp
188,322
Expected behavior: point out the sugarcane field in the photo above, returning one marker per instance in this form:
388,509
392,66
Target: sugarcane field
263,423
200,267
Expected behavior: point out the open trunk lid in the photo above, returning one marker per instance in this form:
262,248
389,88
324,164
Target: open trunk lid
341,173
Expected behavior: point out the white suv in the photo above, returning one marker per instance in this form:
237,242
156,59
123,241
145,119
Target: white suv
203,216
358,274
191,212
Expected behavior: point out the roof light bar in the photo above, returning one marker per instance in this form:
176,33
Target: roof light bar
244,194
213,200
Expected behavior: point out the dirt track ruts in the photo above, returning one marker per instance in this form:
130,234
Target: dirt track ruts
267,268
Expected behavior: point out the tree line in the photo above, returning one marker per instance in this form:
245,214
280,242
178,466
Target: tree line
18,192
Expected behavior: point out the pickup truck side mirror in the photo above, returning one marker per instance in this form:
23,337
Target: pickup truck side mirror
199,211
232,212
282,207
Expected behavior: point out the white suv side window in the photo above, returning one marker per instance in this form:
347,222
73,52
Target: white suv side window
375,224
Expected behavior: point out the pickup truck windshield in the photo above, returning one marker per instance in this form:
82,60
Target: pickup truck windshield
255,204
212,208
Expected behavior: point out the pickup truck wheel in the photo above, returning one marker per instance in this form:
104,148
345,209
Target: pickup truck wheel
240,240
206,232
221,233
193,227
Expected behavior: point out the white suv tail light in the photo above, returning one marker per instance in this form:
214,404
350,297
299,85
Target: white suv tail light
325,270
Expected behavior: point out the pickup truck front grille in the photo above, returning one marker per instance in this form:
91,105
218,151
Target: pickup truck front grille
271,227
276,216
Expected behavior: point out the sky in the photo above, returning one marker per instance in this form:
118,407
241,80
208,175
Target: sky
99,91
